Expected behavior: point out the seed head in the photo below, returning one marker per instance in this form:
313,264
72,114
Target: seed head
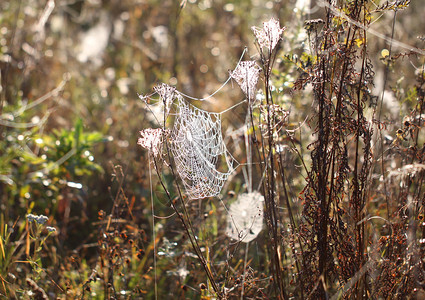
167,94
246,76
51,229
269,35
152,140
31,217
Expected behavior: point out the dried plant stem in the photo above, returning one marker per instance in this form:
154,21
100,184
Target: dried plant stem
381,139
269,188
187,224
153,228
294,226
244,269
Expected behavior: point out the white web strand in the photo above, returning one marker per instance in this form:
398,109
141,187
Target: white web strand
198,148
245,219
219,89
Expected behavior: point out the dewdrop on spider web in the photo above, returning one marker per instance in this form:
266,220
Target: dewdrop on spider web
198,150
269,35
245,218
246,76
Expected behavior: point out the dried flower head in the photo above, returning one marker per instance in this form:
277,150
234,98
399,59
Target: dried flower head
50,229
313,24
38,219
246,75
152,140
167,94
41,219
31,217
269,35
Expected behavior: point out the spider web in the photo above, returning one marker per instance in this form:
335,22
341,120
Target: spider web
198,149
246,75
269,35
167,94
245,218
